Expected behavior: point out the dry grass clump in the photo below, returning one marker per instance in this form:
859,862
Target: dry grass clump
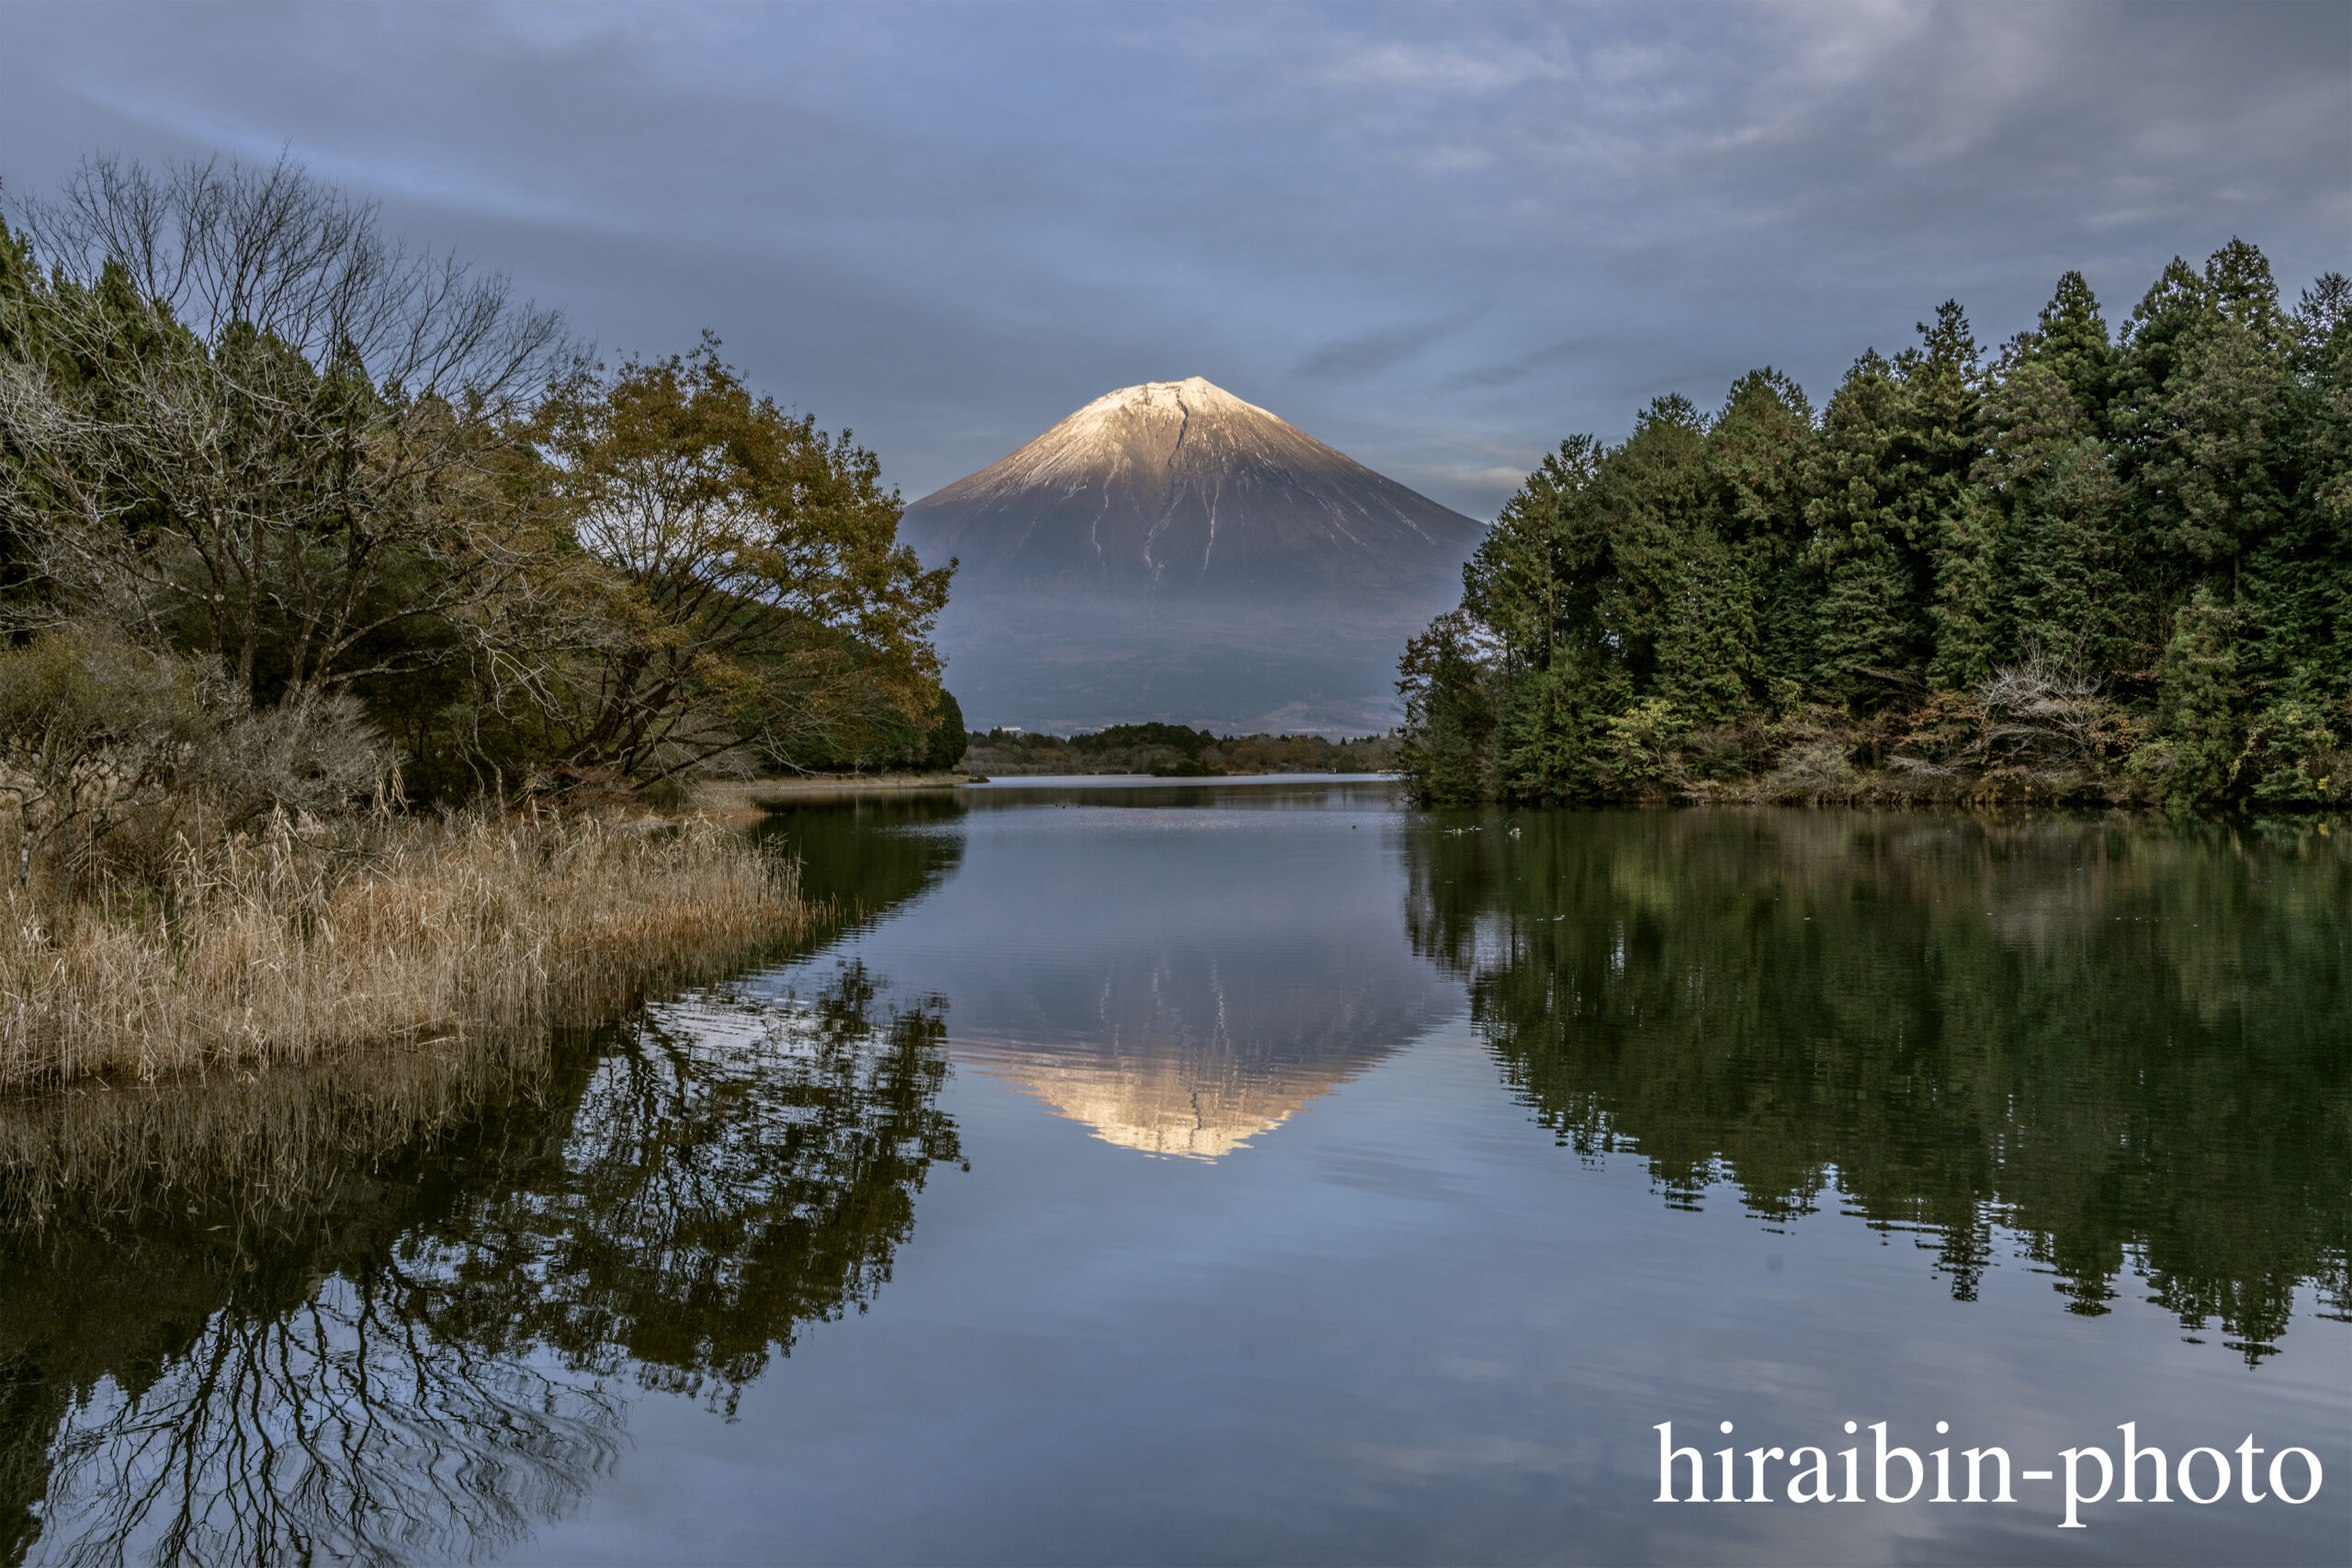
287,946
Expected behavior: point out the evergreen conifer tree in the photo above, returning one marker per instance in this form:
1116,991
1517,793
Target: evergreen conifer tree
2071,338
2140,540
1758,450
1870,629
2201,707
2060,589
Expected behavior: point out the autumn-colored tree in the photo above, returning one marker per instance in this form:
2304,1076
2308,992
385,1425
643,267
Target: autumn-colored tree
730,581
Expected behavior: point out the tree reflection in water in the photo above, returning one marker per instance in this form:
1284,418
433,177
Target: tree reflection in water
445,1355
335,1429
740,1169
2123,1043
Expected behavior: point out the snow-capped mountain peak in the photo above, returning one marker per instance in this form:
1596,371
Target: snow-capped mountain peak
1169,551
1179,486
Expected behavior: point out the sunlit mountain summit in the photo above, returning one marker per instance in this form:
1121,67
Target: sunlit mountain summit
1172,552
1178,490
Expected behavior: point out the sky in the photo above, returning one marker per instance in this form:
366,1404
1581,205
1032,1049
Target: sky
1439,238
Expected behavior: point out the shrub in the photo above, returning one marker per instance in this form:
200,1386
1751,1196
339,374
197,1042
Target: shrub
313,753
97,737
2297,748
2050,711
1811,769
1637,751
91,731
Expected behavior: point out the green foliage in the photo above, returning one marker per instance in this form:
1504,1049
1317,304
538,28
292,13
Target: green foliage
1185,742
1638,747
2298,745
1172,750
883,738
1547,736
2200,710
2061,584
948,741
1448,712
239,423
2149,537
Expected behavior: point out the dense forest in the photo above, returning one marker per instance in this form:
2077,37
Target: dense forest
2099,564
1174,750
291,506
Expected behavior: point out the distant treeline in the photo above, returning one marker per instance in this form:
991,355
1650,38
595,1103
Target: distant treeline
1172,751
2106,565
263,464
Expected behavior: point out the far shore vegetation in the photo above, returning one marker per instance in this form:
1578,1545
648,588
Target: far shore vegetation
354,623
1173,751
2105,566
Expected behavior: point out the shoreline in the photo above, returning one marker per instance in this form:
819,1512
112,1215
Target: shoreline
310,1001
744,798
735,800
1093,781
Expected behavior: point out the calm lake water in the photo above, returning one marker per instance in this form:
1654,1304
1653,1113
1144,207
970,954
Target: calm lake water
1263,1172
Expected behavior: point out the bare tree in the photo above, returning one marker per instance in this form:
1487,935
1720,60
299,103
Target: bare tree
2046,709
237,413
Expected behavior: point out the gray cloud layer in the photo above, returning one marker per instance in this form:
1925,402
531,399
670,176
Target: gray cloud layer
1439,238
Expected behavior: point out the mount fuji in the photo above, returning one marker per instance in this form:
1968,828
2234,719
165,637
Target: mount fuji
1170,552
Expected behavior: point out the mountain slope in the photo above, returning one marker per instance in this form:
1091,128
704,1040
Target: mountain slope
1181,486
1169,551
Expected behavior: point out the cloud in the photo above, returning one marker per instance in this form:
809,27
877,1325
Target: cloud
1447,68
1364,355
1519,366
1432,235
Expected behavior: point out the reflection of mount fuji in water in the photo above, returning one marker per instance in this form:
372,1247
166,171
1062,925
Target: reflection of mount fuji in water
1195,1051
1258,961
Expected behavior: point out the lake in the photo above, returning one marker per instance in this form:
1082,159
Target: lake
1262,1171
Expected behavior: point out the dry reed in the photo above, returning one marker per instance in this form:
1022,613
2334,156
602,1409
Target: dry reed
281,948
